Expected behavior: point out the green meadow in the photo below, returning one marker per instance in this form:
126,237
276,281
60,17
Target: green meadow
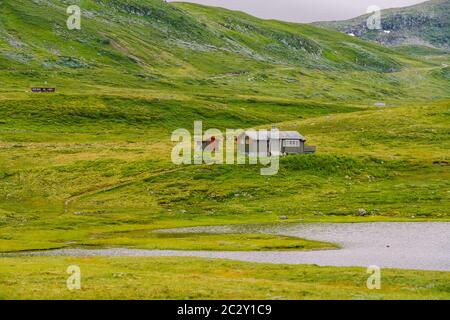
89,165
189,278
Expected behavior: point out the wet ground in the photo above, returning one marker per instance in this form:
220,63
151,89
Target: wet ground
421,245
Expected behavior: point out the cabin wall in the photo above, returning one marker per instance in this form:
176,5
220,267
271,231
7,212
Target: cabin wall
218,145
285,148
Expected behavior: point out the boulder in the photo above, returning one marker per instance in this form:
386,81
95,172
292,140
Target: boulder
362,212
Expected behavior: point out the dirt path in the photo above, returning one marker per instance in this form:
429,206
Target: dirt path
111,186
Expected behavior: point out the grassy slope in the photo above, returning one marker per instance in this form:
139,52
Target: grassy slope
90,165
187,278
100,147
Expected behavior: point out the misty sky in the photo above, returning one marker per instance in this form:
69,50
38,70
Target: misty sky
305,10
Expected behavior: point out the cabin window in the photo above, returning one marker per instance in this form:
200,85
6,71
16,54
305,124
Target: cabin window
291,143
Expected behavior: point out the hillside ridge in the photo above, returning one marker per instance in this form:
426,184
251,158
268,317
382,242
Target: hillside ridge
423,24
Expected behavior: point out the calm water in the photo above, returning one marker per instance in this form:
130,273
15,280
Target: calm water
390,245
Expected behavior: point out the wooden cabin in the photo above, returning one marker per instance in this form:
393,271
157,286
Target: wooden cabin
214,144
40,89
266,143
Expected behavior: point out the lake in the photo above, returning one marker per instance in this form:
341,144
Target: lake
416,245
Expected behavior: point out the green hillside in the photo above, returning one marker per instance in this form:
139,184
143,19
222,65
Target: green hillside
152,44
425,24
90,164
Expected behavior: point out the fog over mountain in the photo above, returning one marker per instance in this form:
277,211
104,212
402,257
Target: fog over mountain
305,10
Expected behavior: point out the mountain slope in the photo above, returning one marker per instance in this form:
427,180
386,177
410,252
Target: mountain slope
185,49
135,32
426,24
156,37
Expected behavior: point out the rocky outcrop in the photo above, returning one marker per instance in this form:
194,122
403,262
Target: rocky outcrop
426,24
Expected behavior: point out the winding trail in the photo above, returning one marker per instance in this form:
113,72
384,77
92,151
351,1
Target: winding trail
111,186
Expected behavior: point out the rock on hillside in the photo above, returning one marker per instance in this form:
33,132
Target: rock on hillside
425,24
